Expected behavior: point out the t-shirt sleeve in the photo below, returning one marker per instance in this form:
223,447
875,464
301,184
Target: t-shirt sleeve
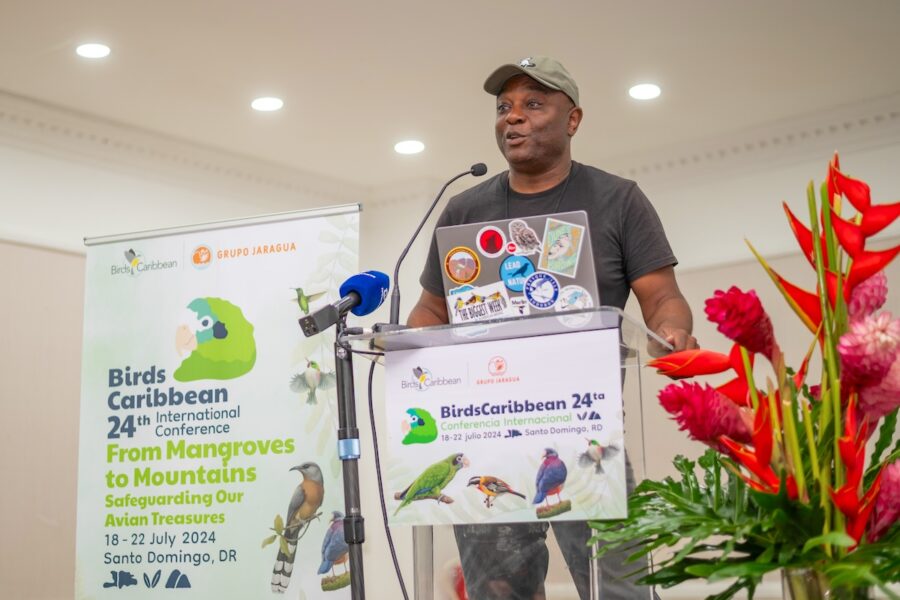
646,247
431,278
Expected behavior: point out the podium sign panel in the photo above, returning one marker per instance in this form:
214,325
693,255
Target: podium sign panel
514,430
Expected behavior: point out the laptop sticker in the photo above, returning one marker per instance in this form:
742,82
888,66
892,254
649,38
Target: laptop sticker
462,265
514,270
541,290
561,247
490,241
524,238
477,304
574,297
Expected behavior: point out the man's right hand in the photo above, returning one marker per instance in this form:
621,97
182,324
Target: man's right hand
429,310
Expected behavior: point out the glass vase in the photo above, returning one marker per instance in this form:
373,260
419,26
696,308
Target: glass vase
809,584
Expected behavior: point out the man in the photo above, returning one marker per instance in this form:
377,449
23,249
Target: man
537,116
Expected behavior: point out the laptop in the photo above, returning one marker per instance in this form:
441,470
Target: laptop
517,267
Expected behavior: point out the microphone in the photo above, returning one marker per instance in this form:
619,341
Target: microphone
476,170
361,294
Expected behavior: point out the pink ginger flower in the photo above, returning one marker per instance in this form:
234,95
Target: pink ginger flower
741,317
868,296
879,400
705,413
868,350
887,503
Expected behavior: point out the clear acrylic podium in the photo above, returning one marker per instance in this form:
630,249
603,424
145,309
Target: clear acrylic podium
435,546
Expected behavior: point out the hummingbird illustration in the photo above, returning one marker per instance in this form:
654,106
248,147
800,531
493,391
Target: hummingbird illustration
596,454
303,299
312,379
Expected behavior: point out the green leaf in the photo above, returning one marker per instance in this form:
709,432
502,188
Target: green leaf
279,525
269,540
835,538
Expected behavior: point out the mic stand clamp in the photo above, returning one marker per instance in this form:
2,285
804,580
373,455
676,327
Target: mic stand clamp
349,453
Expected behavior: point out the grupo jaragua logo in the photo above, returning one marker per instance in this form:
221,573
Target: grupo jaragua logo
497,368
135,264
423,379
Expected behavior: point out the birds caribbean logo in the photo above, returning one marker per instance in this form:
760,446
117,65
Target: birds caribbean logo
492,488
219,343
303,508
431,483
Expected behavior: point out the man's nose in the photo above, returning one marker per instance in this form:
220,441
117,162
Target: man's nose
515,115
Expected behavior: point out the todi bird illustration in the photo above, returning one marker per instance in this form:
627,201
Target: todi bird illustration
551,477
219,341
596,454
312,379
301,511
303,299
335,550
433,480
560,247
492,488
524,236
419,427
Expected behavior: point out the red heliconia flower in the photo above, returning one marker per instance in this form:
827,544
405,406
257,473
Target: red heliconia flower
704,413
868,296
879,400
869,349
764,478
875,217
887,502
852,446
737,389
690,363
741,318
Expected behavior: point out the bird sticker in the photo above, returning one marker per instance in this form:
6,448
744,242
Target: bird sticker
525,238
303,508
551,477
311,380
562,247
304,300
419,427
596,454
492,488
335,551
132,258
432,481
218,340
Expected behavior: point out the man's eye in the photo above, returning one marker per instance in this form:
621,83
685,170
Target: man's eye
533,104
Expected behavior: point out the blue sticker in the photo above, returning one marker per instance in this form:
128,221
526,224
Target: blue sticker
514,270
541,290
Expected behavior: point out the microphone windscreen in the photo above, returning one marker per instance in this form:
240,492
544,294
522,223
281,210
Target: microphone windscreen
479,169
372,287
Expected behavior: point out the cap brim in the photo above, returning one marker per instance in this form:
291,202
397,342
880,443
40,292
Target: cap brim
493,85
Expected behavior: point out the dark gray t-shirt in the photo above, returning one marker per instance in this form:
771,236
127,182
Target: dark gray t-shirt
626,233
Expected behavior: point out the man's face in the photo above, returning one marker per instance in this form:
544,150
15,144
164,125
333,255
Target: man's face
534,124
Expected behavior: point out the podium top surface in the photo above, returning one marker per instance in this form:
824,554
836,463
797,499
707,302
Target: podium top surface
634,337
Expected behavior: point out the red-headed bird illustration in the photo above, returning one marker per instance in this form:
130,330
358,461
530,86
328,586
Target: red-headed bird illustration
551,477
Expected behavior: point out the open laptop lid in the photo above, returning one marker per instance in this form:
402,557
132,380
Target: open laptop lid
514,267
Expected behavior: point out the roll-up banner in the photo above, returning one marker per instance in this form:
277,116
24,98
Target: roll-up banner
207,463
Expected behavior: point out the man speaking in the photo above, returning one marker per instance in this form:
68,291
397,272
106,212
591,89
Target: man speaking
537,115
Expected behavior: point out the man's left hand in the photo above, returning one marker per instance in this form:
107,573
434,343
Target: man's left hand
680,339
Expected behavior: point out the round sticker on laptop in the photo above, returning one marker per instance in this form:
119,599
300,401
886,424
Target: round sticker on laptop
490,241
462,265
574,297
541,290
514,270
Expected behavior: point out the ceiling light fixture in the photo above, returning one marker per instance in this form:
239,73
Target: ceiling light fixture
644,91
409,147
92,50
267,104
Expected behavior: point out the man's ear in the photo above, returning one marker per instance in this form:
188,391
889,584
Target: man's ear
575,116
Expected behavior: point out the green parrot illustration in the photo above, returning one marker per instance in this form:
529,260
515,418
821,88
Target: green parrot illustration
220,342
312,379
419,427
433,480
595,454
303,299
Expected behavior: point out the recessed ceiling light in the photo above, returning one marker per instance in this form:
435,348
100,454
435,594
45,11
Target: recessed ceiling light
644,91
267,104
92,50
409,147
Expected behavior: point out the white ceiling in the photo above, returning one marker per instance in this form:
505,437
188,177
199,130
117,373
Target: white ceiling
358,76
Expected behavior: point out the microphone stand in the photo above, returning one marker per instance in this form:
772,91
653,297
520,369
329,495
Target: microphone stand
349,452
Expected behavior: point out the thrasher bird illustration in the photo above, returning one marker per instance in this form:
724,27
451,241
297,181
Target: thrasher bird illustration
419,427
551,477
595,455
492,488
219,339
301,511
335,550
303,299
524,236
433,480
312,379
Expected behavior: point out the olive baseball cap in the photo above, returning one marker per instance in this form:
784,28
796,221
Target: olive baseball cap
543,69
